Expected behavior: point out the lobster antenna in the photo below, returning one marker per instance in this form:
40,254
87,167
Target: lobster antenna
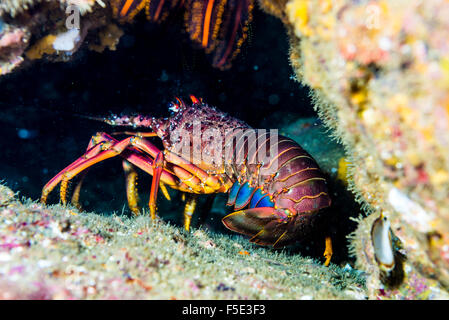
94,118
62,112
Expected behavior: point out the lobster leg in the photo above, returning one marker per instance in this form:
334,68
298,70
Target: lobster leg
131,187
211,184
103,151
189,210
164,191
328,251
76,192
56,179
137,134
157,171
189,178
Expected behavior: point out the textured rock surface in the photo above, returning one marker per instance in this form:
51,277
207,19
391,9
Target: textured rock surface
379,70
37,29
57,252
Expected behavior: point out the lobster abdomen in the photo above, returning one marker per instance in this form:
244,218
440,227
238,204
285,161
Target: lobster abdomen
296,184
280,206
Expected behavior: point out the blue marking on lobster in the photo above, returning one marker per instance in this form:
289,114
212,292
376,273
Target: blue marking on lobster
256,197
265,202
233,193
240,195
244,196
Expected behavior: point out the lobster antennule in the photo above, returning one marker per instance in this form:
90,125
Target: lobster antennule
265,225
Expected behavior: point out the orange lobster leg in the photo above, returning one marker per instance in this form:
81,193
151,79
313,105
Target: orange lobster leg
186,171
328,251
188,179
146,164
115,150
94,147
56,179
157,171
95,155
208,180
164,191
137,134
77,190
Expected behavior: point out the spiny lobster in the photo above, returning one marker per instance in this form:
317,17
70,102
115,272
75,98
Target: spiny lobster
275,186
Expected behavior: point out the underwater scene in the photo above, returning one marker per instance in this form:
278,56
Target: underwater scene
224,149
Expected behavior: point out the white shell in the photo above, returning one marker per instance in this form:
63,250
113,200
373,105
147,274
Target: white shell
381,239
67,41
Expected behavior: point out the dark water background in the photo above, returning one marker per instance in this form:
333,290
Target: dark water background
41,133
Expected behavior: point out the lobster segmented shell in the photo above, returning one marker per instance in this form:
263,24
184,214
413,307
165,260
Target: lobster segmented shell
281,205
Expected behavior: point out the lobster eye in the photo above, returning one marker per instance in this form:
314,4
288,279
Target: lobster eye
173,107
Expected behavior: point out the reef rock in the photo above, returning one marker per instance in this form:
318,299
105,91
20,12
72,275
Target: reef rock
52,30
57,252
380,74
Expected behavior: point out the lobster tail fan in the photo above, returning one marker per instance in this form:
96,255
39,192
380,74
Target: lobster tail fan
264,225
220,27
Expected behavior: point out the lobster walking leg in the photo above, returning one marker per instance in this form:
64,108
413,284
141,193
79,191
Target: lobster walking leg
103,151
211,183
164,191
57,179
137,134
111,151
77,190
328,251
189,210
131,187
183,169
157,171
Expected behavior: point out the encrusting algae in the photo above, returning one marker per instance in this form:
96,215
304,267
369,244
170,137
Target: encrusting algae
56,252
379,70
